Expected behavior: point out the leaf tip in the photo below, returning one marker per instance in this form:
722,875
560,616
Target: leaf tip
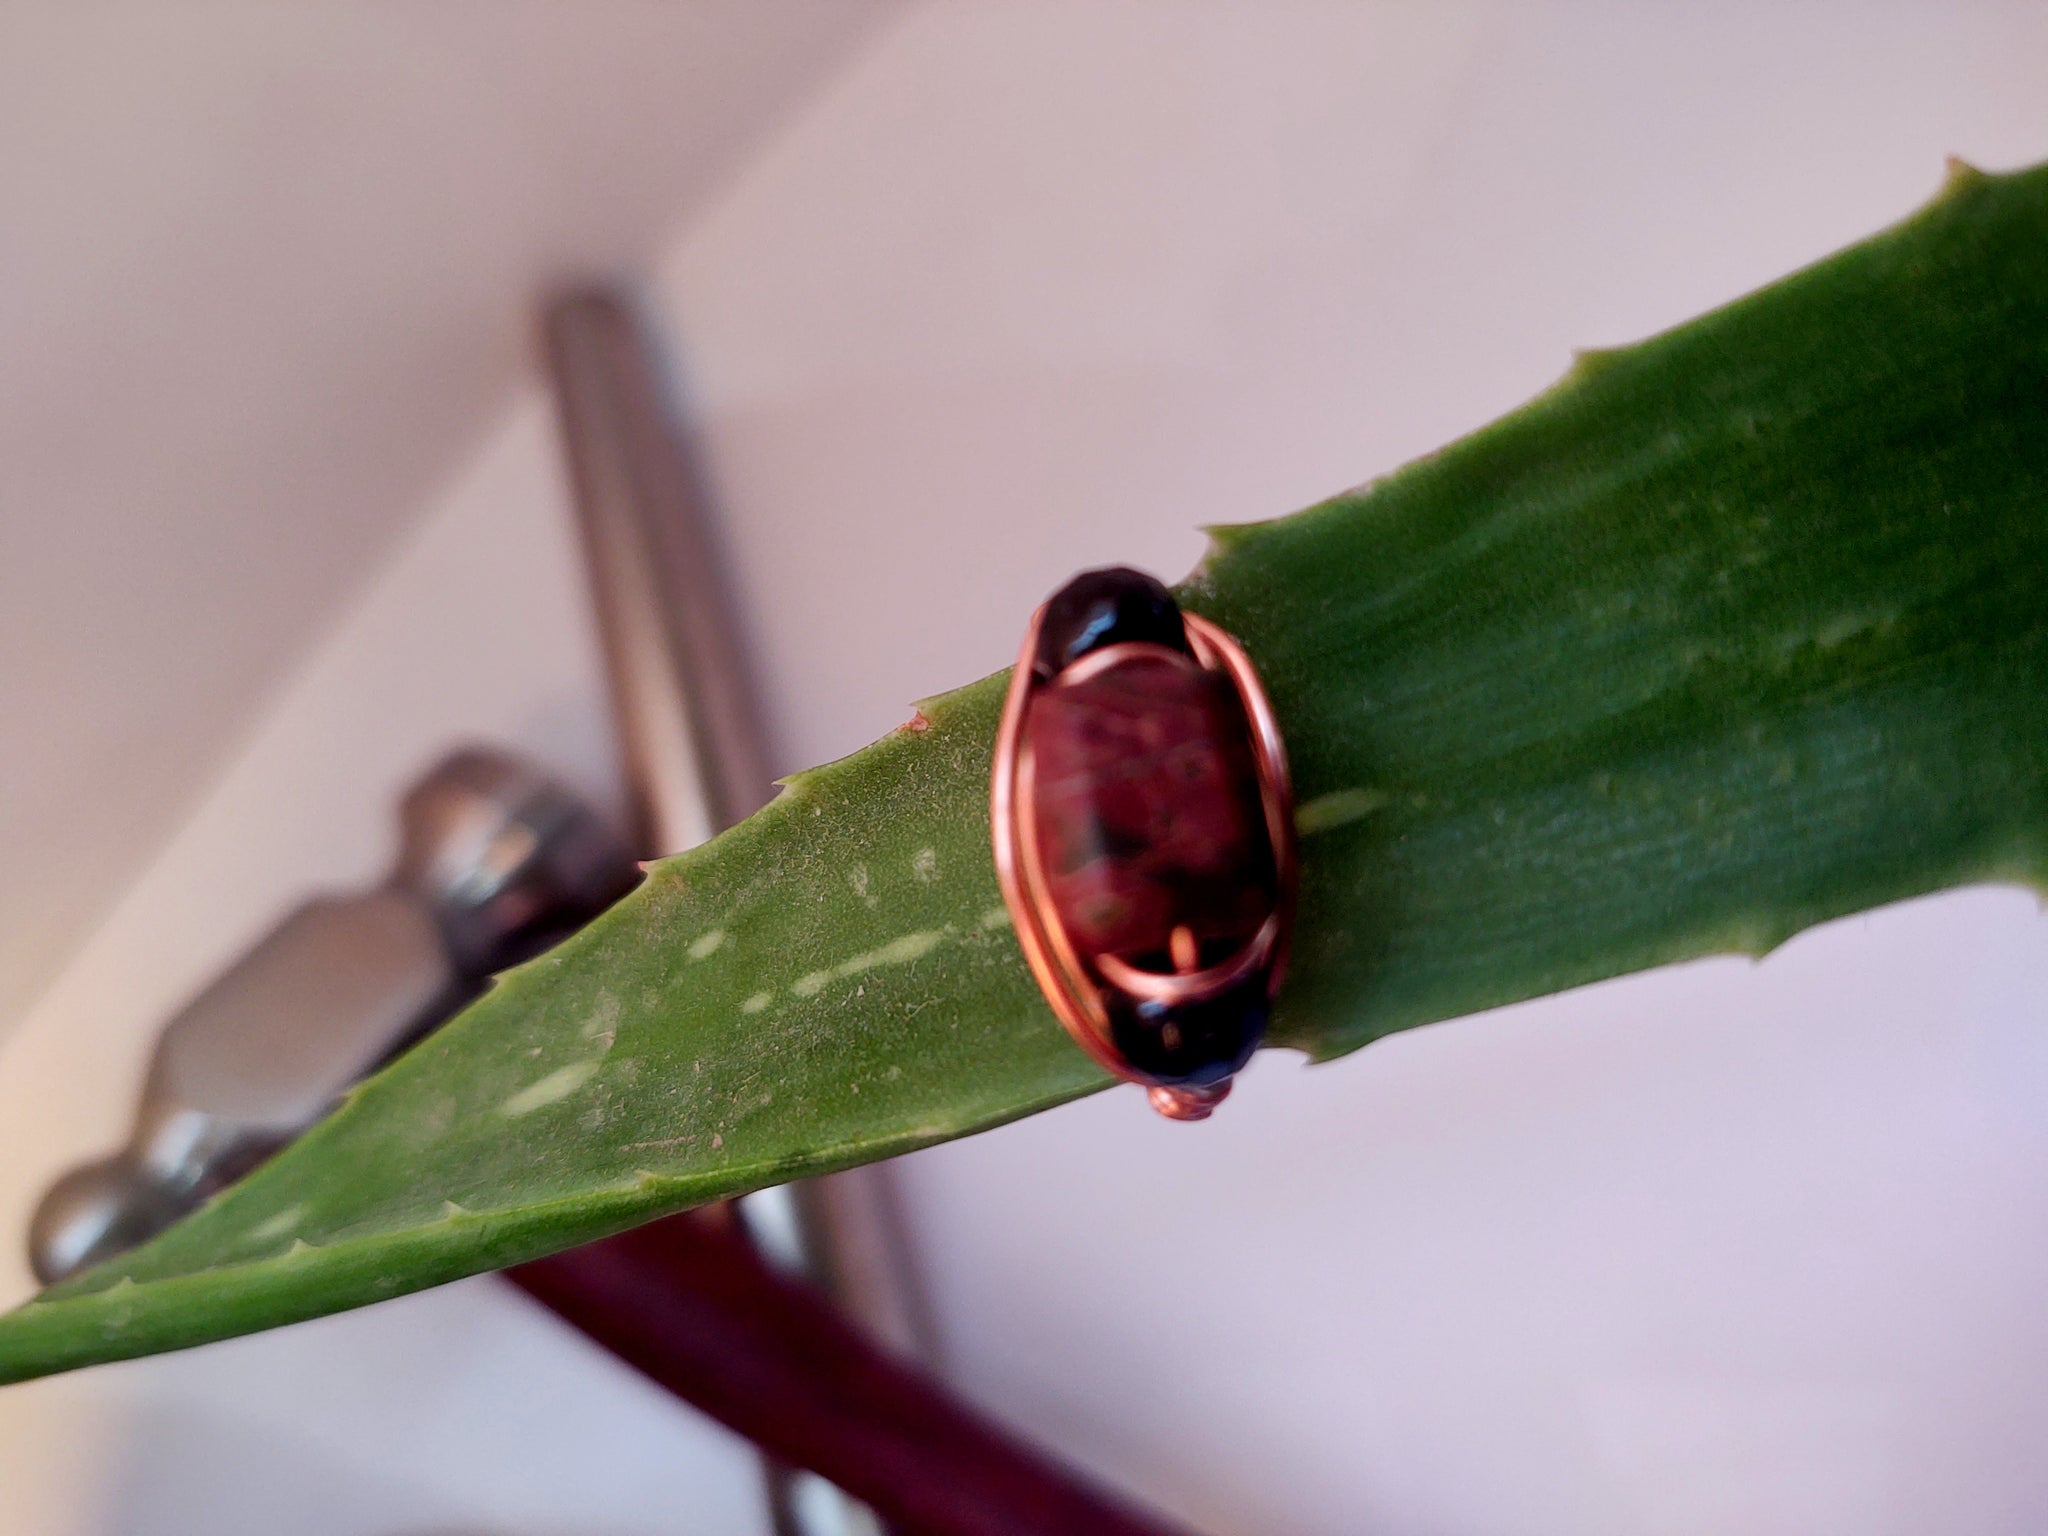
1223,538
1959,176
1587,362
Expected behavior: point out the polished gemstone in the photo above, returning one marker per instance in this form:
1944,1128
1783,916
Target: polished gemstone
1147,818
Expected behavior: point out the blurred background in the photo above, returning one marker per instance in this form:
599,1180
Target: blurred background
965,297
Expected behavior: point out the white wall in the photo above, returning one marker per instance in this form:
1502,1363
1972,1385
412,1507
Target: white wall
1729,1248
265,278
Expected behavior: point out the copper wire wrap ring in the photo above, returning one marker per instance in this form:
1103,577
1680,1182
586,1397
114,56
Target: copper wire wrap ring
1143,828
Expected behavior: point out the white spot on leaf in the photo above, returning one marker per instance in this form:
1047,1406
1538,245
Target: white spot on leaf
279,1224
1339,808
557,1085
706,944
603,1021
898,951
925,865
757,1002
912,946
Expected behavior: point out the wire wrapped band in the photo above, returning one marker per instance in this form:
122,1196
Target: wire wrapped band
1143,830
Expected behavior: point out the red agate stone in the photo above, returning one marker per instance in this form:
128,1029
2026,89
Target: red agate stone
1147,816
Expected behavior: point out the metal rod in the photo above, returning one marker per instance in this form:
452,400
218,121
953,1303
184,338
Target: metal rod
692,740
688,725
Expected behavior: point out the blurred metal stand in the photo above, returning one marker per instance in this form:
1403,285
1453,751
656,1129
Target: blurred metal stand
693,748
496,862
729,1308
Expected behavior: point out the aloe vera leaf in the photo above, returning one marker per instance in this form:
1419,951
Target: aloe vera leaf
1731,632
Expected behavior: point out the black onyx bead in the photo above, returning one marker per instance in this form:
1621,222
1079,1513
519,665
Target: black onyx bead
1198,1043
1106,607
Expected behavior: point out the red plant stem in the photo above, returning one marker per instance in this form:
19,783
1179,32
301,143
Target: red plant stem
686,1302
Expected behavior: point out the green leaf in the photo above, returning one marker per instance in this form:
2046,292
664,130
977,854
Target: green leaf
1733,631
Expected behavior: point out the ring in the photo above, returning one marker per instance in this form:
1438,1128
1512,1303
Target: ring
1144,835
